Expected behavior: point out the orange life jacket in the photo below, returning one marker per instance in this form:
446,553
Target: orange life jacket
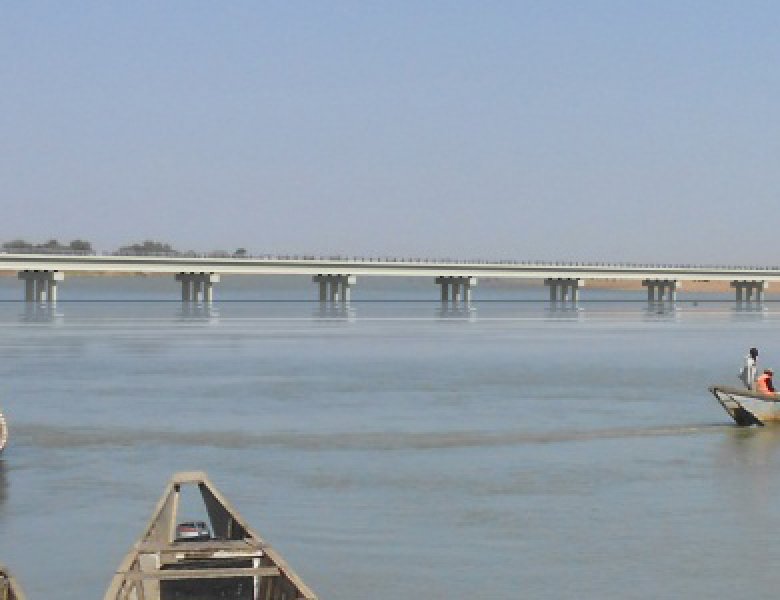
764,384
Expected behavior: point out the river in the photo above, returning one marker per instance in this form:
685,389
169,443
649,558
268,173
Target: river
395,451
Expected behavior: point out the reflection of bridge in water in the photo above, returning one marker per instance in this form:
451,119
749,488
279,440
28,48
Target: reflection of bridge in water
213,314
41,313
337,276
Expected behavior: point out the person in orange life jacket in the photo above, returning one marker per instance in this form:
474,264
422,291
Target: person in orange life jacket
764,383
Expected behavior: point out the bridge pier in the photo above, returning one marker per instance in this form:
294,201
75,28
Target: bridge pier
207,283
41,286
335,288
197,287
749,291
661,290
458,289
564,290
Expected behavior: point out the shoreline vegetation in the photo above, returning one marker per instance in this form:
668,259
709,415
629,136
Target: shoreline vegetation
84,247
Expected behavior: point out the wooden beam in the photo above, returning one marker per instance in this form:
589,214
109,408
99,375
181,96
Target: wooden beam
172,574
203,547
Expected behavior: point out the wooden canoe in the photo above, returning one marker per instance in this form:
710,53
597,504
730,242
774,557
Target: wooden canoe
234,563
9,589
747,407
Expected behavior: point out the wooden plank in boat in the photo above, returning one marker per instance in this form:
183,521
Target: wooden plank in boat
203,573
200,547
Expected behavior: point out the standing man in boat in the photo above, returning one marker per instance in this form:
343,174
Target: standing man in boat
748,372
764,383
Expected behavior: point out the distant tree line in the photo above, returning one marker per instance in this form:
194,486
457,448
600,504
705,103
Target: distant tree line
145,248
155,248
50,247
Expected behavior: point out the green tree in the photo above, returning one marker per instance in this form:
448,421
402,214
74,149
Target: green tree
81,246
147,247
17,245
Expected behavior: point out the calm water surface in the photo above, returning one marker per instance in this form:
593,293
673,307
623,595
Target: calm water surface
395,452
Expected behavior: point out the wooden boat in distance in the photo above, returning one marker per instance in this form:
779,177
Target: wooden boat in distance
9,589
175,561
3,440
747,407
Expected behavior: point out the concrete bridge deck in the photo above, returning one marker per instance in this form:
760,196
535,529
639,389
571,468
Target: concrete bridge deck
197,274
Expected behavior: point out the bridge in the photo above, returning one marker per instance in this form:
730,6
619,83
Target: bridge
336,276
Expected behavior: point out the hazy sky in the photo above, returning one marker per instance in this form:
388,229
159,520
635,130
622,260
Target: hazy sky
540,130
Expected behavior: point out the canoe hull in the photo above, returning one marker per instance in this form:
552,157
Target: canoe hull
747,407
9,589
233,563
3,432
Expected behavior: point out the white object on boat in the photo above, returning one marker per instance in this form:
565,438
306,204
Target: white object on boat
747,407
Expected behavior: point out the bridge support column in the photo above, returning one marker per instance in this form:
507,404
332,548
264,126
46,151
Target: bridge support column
662,290
186,285
197,287
51,292
323,287
750,291
203,287
40,291
455,285
575,290
335,288
467,289
346,286
671,290
41,286
29,289
565,289
207,282
457,289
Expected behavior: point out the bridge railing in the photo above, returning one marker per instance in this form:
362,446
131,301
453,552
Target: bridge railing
393,259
